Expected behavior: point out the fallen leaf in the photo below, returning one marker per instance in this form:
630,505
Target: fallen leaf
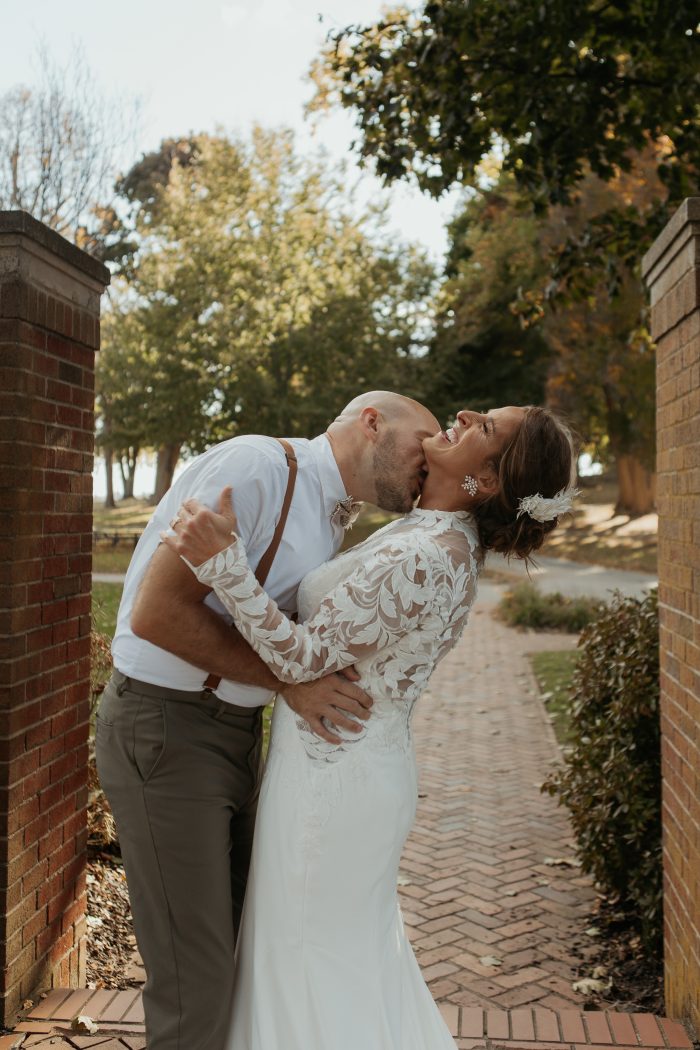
591,986
84,1024
562,862
592,931
490,960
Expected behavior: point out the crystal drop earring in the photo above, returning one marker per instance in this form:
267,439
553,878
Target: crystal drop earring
470,485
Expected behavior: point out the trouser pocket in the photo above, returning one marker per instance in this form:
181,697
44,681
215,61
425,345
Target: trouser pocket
150,733
130,736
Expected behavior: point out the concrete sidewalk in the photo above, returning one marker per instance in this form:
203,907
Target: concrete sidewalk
575,578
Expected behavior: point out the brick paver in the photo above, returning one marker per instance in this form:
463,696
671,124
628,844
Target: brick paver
493,924
473,1028
119,1016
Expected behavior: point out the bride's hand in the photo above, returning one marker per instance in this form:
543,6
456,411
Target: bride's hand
200,532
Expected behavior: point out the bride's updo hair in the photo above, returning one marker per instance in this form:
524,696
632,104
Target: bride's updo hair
540,458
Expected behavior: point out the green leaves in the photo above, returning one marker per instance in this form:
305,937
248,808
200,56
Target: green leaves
481,353
258,301
561,88
611,780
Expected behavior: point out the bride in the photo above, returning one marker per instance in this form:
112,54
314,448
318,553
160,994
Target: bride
323,962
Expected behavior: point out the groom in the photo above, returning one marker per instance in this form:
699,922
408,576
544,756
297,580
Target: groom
180,762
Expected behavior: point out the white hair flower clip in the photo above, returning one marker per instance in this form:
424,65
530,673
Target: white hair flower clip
543,509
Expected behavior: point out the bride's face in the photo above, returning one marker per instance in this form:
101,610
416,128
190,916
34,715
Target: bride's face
475,440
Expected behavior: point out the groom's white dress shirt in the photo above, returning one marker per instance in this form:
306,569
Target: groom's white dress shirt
256,468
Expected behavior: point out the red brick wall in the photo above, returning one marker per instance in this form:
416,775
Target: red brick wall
672,273
49,331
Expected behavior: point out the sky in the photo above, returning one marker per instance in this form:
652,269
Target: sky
199,66
207,65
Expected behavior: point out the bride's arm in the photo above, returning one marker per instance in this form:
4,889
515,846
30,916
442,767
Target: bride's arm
378,604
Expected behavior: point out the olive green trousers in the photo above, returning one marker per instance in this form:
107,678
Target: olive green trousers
181,772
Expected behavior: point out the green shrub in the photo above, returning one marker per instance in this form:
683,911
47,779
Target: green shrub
611,779
526,606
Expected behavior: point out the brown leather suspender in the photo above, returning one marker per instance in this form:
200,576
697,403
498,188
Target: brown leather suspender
265,563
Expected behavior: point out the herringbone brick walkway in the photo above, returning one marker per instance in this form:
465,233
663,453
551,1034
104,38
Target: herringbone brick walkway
493,921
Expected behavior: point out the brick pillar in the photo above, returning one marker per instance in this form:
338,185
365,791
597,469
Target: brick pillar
672,272
49,331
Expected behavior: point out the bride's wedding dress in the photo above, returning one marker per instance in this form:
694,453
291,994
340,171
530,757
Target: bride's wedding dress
323,962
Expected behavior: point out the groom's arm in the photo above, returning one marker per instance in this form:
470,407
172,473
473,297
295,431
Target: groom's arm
169,612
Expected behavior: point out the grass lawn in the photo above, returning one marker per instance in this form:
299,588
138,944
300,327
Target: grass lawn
106,558
105,602
595,534
129,515
554,672
578,543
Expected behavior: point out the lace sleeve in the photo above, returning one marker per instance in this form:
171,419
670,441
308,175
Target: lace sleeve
395,592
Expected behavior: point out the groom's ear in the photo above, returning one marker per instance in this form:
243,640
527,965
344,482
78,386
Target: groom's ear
370,419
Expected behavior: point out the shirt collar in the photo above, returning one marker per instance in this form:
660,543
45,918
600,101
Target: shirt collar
331,482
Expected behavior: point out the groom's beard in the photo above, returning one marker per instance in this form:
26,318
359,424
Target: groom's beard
395,491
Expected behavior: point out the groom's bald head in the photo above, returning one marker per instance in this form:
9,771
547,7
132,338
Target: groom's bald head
392,406
378,444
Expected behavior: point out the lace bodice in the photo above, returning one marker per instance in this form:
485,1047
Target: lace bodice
391,606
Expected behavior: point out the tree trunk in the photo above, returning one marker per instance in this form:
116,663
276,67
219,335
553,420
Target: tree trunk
125,477
127,467
109,460
636,486
166,462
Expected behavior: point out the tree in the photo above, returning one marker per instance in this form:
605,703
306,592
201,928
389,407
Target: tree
305,307
563,88
257,301
481,353
497,342
154,391
59,148
120,402
604,367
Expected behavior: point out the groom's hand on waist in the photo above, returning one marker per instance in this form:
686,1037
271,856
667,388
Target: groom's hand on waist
333,698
